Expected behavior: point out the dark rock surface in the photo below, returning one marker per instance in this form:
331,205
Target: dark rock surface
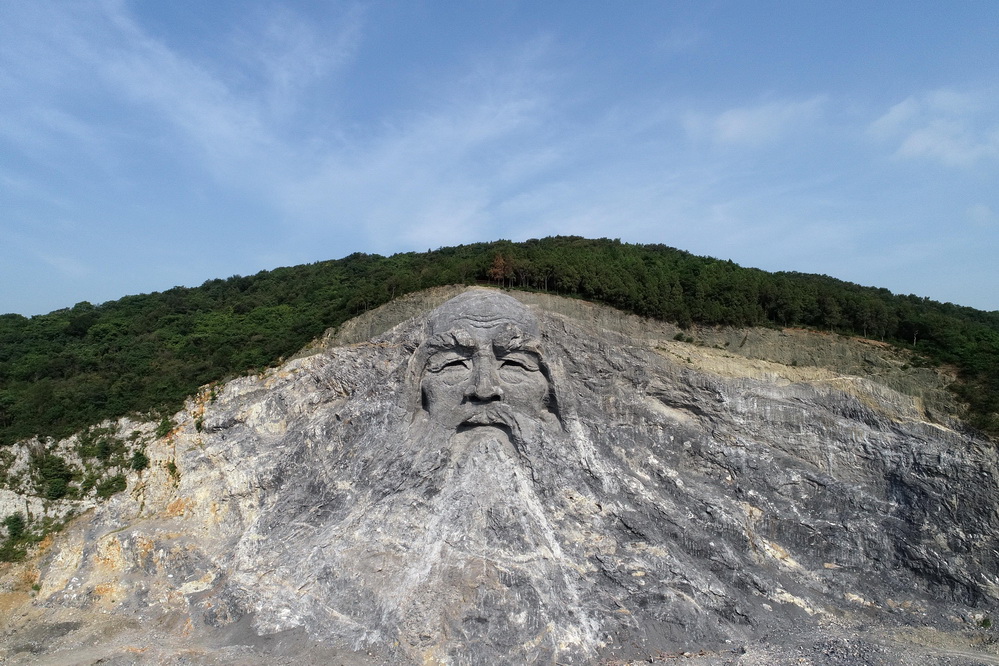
493,484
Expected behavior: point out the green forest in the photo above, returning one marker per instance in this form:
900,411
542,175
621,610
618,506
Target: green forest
66,370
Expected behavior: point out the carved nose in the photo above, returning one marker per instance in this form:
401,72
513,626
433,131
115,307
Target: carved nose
484,385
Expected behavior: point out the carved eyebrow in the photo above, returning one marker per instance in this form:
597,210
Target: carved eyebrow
517,343
449,340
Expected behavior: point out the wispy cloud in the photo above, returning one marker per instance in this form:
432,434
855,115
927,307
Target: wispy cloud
291,55
755,125
680,39
953,128
425,173
103,79
68,267
983,216
430,175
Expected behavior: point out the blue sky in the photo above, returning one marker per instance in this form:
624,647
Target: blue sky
150,144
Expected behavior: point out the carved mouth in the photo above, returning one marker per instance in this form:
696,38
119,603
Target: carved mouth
479,419
489,416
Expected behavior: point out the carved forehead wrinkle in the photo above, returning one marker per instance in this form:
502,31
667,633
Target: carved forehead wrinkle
482,310
504,338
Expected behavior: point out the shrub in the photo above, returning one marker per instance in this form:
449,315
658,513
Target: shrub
56,489
111,486
54,474
89,482
11,552
12,549
140,461
15,525
165,426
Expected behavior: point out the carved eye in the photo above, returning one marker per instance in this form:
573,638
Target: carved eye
519,362
448,363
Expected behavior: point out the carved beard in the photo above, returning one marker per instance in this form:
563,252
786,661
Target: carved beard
483,542
482,497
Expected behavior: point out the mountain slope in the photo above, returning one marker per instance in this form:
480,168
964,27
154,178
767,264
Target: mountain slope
603,491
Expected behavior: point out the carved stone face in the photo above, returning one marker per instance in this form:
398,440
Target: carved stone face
483,364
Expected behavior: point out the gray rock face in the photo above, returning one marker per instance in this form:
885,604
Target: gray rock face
489,483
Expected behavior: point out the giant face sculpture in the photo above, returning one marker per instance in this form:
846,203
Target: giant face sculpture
483,364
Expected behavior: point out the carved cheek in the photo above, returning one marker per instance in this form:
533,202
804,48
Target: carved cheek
441,390
529,391
513,376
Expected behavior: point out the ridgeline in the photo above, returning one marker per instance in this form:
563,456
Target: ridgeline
66,370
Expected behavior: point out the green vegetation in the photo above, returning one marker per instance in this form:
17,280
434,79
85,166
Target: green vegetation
13,547
71,368
110,486
165,426
53,474
140,461
94,462
15,526
23,533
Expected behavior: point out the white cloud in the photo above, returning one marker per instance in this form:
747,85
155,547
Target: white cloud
755,125
429,176
953,128
69,267
100,80
419,176
982,216
680,39
290,54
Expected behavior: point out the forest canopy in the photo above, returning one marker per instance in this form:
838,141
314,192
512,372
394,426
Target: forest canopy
63,371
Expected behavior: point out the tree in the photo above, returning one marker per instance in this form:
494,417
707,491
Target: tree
16,526
500,270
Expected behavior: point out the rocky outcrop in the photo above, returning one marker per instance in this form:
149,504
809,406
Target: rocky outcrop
490,483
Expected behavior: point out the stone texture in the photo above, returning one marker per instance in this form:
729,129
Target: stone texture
489,483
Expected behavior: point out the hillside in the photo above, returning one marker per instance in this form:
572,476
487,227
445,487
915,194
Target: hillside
73,368
462,477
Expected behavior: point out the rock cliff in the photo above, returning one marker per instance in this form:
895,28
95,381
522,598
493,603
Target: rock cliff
468,478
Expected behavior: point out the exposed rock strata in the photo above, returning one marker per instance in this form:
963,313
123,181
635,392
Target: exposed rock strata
657,499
